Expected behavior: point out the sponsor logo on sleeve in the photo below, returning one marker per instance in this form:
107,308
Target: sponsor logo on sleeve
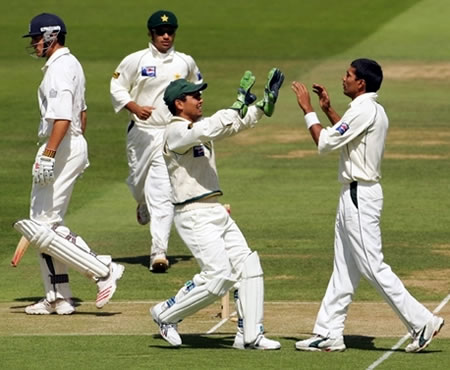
116,75
343,128
53,93
199,76
148,71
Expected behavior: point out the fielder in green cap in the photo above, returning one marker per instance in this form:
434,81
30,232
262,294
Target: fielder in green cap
162,18
212,236
138,85
178,89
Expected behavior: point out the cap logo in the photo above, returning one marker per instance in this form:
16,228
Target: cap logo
164,18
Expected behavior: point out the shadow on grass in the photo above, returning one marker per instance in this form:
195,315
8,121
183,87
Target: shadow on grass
197,341
77,302
361,342
366,343
145,260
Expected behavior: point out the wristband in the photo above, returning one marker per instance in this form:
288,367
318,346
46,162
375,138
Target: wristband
311,119
49,153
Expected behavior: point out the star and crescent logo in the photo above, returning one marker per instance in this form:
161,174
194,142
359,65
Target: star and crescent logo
164,18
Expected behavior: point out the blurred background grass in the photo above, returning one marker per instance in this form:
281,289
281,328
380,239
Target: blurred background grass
284,203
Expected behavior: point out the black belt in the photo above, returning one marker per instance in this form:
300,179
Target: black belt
130,126
353,192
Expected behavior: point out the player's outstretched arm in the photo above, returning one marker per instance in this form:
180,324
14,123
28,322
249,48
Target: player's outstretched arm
274,81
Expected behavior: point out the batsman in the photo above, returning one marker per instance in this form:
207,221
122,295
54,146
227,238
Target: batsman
225,259
61,159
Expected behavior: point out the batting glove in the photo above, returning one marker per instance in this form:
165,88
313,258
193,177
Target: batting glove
275,79
244,97
43,170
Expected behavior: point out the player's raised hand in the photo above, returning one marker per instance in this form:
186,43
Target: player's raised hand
324,99
244,97
303,97
274,81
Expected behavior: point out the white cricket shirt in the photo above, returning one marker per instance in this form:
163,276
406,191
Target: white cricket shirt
361,135
189,152
61,92
143,76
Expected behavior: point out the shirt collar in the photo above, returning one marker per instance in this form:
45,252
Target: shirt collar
359,99
157,54
59,52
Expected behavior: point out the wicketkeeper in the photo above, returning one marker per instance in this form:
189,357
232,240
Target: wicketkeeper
201,221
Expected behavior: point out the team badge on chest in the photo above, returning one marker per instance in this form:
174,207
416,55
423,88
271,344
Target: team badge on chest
148,71
199,151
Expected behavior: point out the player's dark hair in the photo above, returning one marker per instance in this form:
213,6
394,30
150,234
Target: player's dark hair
172,108
369,71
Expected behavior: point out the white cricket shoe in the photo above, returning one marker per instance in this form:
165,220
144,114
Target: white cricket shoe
107,286
142,214
158,262
423,338
261,342
44,307
320,343
168,331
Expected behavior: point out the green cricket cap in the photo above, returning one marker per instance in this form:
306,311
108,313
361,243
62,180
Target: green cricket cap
181,87
162,18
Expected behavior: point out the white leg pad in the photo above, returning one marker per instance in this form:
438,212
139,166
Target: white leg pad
192,298
66,250
251,298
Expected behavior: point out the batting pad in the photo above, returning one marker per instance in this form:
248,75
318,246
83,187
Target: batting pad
65,251
187,303
251,298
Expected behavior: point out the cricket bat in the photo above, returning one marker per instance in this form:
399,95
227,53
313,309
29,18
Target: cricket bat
20,251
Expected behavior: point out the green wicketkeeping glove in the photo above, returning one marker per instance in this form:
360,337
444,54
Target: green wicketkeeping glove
244,97
274,81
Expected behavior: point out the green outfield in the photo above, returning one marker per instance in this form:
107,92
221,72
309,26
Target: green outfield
282,194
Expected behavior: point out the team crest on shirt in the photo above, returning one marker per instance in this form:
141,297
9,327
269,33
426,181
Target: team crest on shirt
149,71
199,151
342,128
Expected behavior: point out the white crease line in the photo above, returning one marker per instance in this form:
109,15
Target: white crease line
401,341
220,323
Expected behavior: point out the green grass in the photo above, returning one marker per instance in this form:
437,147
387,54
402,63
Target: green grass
284,204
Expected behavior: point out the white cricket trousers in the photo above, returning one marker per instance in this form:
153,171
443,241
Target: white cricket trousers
358,253
214,240
149,182
49,205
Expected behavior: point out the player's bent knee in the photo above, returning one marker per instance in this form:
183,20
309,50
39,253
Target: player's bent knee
252,267
219,286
